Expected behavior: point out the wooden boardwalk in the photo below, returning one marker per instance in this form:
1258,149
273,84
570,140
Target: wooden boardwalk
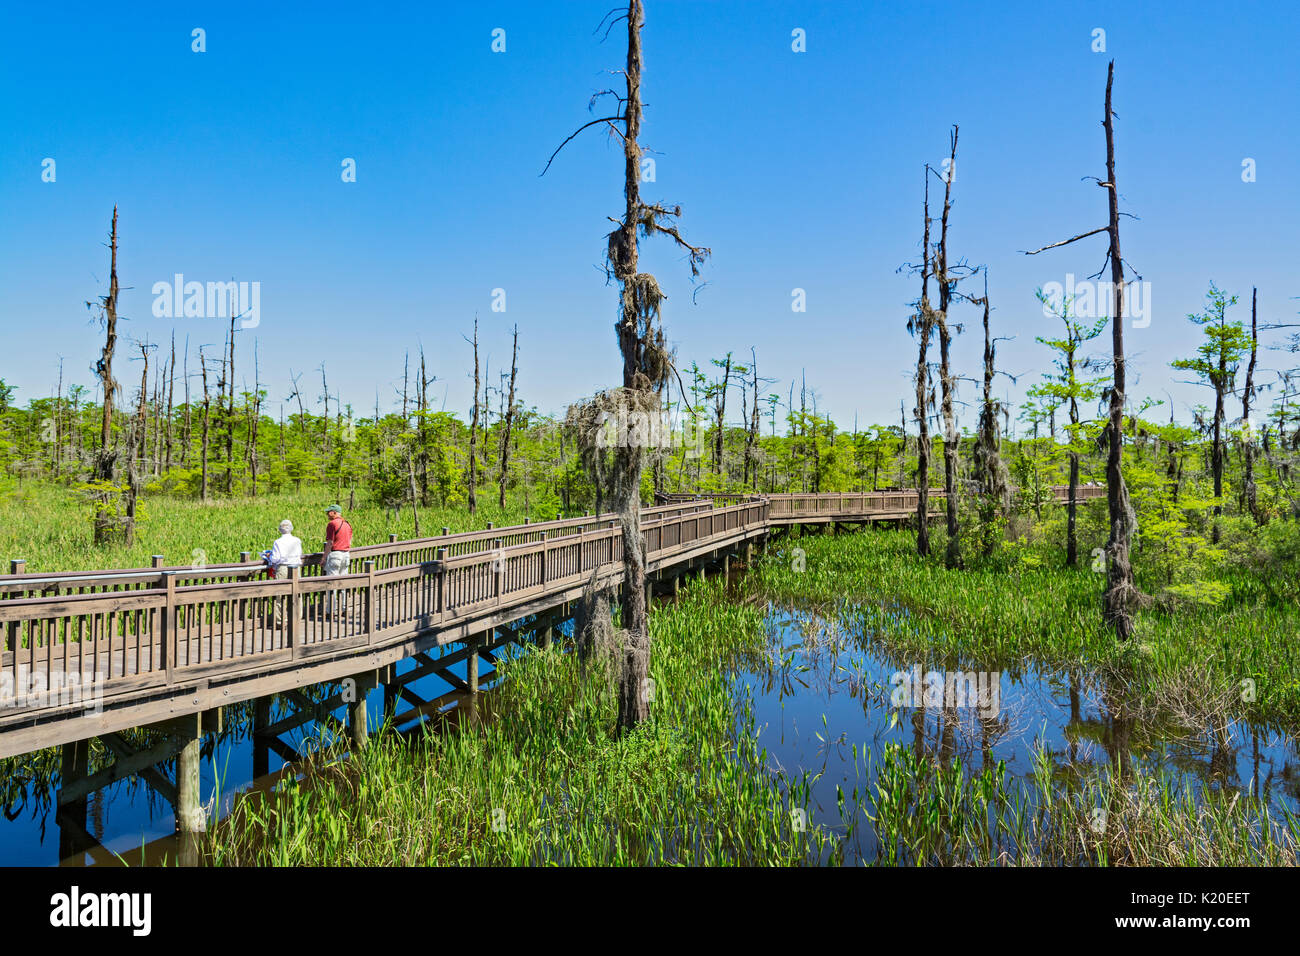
89,654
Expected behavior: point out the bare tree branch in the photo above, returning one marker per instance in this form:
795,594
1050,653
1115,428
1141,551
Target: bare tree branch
604,119
1066,242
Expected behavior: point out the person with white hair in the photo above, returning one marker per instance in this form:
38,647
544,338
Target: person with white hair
286,553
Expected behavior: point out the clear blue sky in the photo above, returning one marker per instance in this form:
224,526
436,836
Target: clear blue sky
800,170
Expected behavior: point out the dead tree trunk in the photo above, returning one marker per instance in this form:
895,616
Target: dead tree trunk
1121,594
185,380
230,412
1120,590
922,323
203,452
415,509
421,430
106,521
720,414
509,420
325,418
104,461
990,472
646,366
751,436
1248,452
902,446
137,445
947,383
473,432
171,393
255,419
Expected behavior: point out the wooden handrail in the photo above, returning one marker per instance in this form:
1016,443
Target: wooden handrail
167,631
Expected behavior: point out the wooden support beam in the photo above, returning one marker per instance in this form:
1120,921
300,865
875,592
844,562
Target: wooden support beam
307,710
285,752
472,665
190,814
72,807
74,835
322,713
411,697
77,784
156,781
261,752
358,719
453,680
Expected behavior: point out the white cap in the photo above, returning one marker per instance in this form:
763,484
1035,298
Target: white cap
286,526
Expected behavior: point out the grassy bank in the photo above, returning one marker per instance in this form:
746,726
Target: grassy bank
44,524
927,813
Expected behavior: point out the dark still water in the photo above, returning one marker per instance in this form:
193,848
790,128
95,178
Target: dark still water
828,700
130,820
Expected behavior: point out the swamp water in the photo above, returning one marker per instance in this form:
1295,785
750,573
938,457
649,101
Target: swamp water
131,821
826,701
829,699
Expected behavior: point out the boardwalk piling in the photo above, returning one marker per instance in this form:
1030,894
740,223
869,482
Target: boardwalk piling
358,720
191,819
72,816
471,663
261,748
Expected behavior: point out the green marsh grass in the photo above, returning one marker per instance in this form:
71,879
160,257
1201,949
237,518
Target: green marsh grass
925,812
1191,658
545,780
45,525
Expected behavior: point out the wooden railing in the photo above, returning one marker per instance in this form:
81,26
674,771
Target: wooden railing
389,554
830,505
174,631
141,629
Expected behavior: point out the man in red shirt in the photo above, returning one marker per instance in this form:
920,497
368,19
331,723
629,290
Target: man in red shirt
338,544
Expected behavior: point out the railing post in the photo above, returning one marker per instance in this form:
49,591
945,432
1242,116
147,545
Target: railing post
445,531
168,641
543,556
371,599
295,609
155,562
18,566
392,537
243,557
498,565
442,581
